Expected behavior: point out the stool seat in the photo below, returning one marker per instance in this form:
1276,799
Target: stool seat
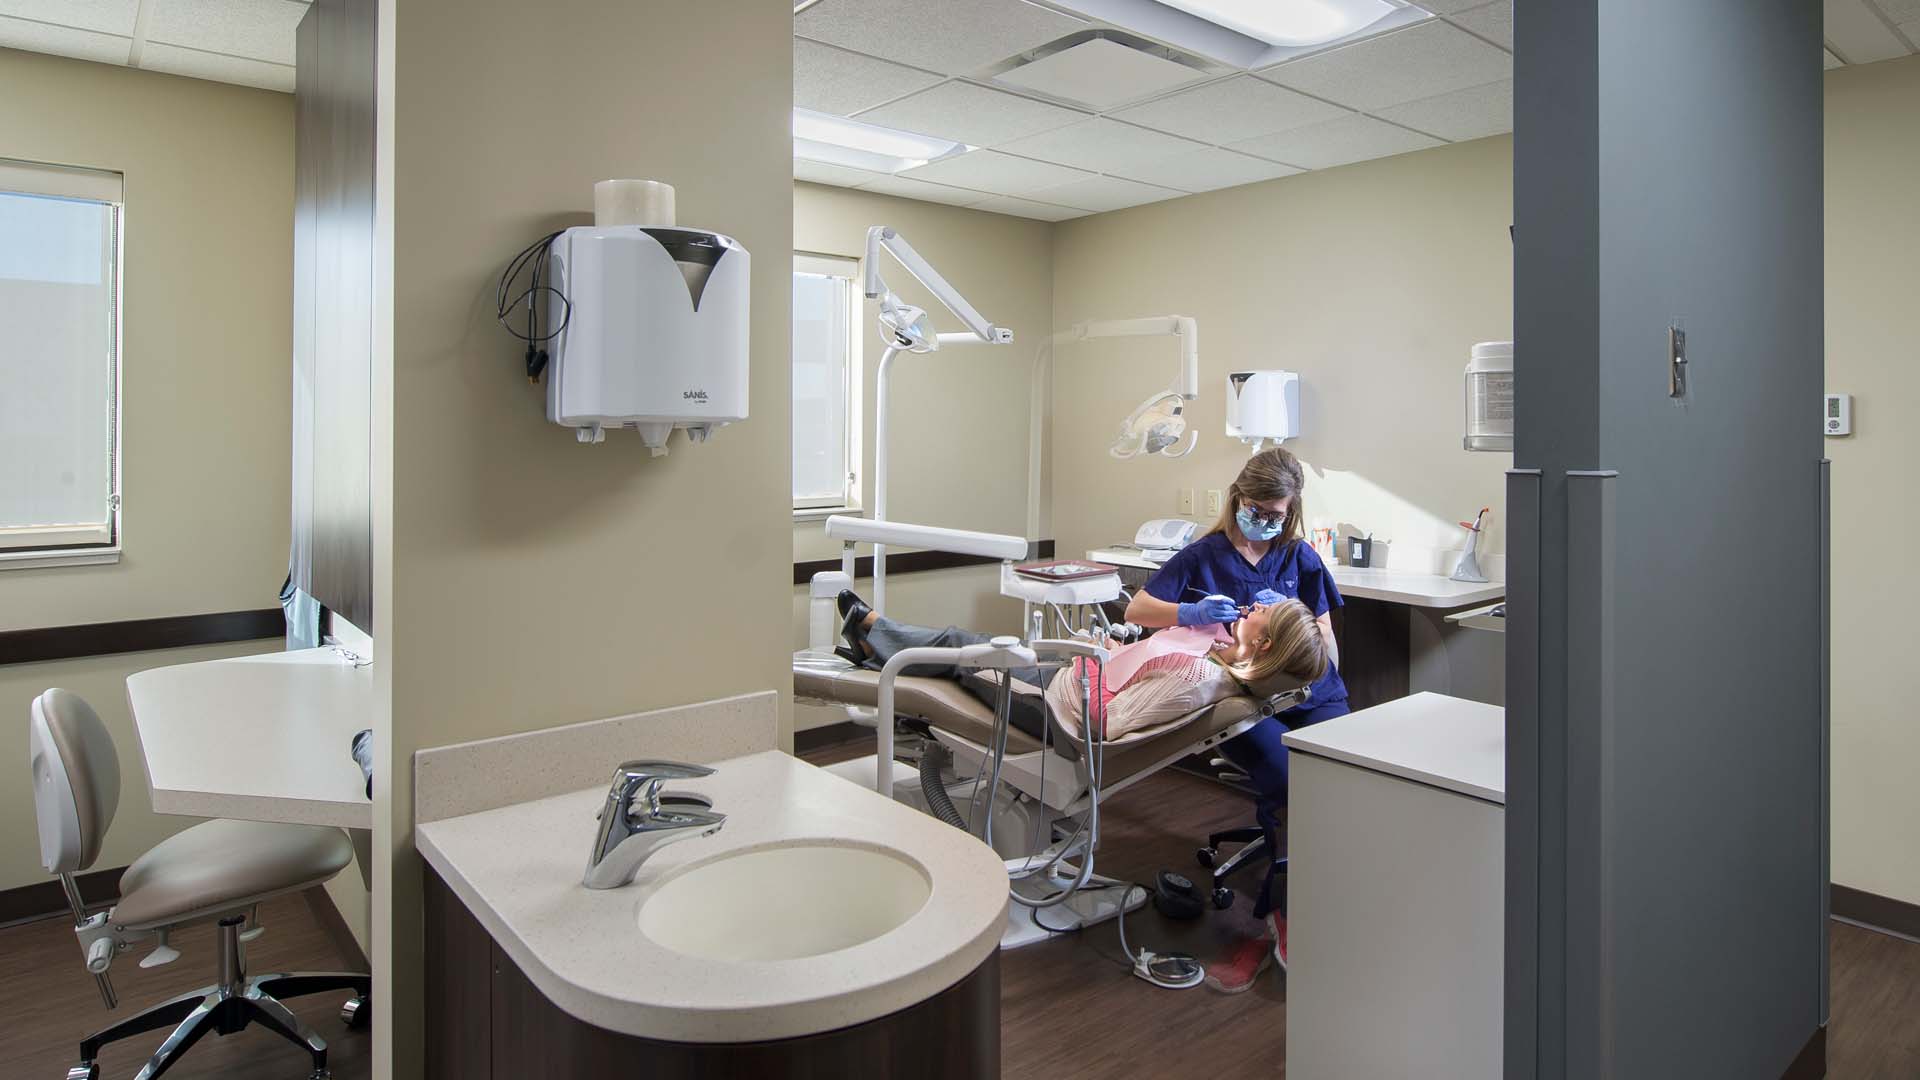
218,866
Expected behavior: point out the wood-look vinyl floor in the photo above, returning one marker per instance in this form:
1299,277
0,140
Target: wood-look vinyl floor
48,1003
1070,1008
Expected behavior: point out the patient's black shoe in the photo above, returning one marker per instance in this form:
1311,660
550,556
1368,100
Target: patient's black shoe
853,627
849,655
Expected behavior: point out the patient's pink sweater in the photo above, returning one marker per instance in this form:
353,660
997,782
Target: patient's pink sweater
1148,684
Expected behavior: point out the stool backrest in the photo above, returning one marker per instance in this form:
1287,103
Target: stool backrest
76,780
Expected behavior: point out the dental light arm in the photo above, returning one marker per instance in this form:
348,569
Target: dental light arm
1186,385
882,236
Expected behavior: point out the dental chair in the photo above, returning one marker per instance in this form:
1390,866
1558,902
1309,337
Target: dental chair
216,871
1050,783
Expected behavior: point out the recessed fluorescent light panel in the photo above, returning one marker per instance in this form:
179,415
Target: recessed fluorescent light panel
837,140
1289,22
1253,34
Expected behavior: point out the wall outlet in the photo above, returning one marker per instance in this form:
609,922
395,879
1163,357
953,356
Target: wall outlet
1213,502
1186,502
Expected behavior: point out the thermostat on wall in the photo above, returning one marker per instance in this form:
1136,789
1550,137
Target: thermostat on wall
1838,419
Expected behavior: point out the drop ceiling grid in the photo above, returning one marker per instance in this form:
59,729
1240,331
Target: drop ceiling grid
244,42
1233,118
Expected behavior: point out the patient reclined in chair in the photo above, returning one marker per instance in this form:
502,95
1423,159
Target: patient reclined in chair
1144,686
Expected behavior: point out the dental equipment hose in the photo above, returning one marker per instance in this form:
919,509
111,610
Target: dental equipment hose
932,760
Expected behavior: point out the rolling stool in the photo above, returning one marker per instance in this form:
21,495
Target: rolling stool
1254,839
216,871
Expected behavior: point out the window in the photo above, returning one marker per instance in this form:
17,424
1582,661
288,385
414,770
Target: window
826,384
59,364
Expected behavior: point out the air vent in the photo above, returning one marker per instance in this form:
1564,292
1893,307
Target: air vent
1101,73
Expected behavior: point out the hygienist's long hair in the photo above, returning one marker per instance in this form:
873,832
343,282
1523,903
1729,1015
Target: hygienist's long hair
1269,475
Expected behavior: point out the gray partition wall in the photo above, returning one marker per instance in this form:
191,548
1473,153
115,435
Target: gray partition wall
1666,800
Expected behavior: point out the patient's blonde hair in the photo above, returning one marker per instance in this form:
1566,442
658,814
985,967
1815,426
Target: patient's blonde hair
1296,653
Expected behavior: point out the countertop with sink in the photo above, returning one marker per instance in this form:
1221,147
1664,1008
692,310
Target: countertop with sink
807,863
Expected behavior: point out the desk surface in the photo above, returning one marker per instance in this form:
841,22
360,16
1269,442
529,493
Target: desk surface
1443,741
258,738
1367,583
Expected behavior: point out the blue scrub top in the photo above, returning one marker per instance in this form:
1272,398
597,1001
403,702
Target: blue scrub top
1211,565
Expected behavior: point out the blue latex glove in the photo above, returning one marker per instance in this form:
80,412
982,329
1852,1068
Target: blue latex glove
1267,596
1213,609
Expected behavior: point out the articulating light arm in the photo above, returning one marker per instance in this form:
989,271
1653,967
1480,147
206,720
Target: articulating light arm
882,236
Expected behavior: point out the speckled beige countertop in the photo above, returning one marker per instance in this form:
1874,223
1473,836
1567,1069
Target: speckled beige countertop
518,868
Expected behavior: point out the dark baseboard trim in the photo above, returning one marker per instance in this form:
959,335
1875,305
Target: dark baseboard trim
828,735
44,899
141,635
907,562
1874,911
1811,1064
335,924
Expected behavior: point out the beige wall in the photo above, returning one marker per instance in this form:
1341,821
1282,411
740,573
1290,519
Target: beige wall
1371,281
959,416
526,580
1873,278
206,381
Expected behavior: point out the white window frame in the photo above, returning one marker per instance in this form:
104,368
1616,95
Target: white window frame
30,547
808,262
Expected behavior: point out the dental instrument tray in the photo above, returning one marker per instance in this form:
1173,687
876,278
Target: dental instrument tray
1061,570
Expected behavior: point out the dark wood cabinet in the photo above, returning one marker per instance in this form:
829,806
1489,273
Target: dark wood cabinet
485,1019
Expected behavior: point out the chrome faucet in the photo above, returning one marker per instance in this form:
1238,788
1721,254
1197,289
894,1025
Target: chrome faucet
639,819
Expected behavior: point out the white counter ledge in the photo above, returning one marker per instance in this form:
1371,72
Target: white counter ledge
1442,741
518,869
261,738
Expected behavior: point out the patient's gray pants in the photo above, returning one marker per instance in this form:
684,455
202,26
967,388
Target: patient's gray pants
888,637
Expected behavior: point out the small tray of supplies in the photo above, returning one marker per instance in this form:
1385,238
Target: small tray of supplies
1061,570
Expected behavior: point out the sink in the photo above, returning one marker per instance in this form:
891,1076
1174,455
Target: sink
785,902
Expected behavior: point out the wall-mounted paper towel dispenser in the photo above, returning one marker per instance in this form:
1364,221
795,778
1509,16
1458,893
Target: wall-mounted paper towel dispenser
652,333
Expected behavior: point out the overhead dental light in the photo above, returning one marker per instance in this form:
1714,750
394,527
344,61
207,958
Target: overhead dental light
1289,22
1157,426
837,140
906,328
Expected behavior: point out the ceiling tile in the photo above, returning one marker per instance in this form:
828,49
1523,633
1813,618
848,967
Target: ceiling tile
1231,109
830,80
1101,145
1102,193
819,172
939,35
1901,11
1208,170
1493,22
1858,35
1337,142
1002,174
1829,61
971,114
1003,204
102,16
1406,65
63,41
1449,7
1912,30
925,192
1473,113
227,69
255,29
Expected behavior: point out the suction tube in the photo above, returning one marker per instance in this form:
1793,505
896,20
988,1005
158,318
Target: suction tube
932,760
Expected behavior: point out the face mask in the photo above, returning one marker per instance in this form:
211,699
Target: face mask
1256,530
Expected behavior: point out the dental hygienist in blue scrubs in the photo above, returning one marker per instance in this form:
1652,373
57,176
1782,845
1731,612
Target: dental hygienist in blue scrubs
1254,555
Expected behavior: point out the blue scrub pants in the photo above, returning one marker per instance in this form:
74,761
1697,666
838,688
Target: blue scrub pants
1260,754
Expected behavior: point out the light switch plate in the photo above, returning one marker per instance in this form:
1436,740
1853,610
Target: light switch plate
1213,502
